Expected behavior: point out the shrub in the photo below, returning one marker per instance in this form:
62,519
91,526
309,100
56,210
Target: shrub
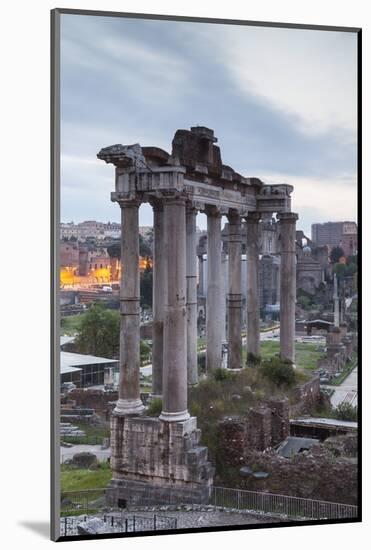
345,411
253,360
154,407
279,372
223,374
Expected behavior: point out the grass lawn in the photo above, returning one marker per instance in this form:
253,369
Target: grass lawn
71,324
307,354
91,430
82,479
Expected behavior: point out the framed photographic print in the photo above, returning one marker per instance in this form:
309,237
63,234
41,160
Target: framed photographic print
205,236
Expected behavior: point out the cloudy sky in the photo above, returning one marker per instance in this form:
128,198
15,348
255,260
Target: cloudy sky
282,103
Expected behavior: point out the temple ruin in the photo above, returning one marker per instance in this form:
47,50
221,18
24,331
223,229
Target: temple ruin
152,455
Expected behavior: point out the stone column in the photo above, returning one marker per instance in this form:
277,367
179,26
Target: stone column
336,302
224,287
159,294
278,282
129,401
175,327
191,244
287,222
201,289
234,291
252,295
214,290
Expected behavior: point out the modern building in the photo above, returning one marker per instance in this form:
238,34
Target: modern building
84,370
331,234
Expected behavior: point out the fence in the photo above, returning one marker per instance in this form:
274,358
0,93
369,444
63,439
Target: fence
292,507
85,502
83,439
120,524
93,501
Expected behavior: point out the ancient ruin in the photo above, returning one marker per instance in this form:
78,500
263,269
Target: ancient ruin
151,455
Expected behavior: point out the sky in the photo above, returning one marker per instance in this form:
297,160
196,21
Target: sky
282,103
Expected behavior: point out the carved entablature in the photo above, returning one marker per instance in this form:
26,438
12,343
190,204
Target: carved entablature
195,170
277,189
123,155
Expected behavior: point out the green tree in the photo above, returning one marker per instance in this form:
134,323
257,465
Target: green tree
336,253
114,250
280,372
99,332
145,350
146,279
144,247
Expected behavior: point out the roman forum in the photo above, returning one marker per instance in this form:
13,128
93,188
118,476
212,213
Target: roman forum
152,455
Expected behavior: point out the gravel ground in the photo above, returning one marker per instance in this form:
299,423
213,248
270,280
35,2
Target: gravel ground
192,519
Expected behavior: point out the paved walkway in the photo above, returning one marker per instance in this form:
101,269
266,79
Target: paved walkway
101,454
347,391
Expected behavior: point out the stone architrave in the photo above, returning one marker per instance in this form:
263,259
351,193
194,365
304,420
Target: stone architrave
253,302
191,244
214,290
174,389
234,291
287,221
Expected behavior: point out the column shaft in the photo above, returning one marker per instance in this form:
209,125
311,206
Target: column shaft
287,222
191,244
175,343
159,293
129,390
213,296
234,292
252,295
201,290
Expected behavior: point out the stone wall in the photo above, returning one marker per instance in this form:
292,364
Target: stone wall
93,399
150,457
307,396
262,428
313,474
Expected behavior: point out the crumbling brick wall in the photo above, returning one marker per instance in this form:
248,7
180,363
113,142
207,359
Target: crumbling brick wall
314,474
261,428
93,399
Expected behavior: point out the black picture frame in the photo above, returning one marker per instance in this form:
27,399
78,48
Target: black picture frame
55,267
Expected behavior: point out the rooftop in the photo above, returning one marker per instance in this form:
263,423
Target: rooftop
69,359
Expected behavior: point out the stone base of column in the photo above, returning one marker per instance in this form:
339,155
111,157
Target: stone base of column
180,416
157,462
128,407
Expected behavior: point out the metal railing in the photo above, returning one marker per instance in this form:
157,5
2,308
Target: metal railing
93,500
120,524
85,502
270,503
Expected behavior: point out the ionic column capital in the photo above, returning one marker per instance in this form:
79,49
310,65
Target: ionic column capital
213,211
191,209
234,217
157,204
130,202
253,217
174,198
287,217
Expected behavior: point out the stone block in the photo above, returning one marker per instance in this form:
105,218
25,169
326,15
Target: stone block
150,458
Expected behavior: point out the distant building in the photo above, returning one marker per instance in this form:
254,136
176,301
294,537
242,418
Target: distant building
333,234
84,370
90,229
